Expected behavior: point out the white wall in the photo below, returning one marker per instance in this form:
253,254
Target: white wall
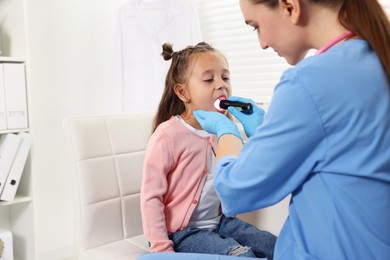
70,44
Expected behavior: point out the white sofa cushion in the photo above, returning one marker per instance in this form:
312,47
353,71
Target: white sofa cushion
108,152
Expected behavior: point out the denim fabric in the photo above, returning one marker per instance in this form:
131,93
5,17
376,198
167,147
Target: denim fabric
232,237
189,256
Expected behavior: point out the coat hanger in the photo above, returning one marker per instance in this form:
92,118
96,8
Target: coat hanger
152,5
150,1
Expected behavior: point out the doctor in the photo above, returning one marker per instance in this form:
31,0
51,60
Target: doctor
326,136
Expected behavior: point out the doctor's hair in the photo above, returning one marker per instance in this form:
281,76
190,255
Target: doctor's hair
366,18
178,73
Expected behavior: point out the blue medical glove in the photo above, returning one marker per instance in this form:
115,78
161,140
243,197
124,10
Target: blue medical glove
249,121
216,123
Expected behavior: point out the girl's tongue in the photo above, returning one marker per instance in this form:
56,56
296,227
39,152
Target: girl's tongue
216,104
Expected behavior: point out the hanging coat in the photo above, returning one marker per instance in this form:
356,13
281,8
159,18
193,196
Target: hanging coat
139,69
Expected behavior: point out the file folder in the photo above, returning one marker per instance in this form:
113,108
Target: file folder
17,168
9,145
3,118
15,95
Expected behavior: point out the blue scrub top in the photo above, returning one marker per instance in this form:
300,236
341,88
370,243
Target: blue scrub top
326,141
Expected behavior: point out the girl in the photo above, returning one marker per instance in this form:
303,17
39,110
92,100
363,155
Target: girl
180,209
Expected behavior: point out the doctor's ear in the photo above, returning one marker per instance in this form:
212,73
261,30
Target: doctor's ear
181,92
293,9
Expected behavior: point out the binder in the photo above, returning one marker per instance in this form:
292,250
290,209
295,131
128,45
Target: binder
17,168
3,118
6,245
15,95
9,144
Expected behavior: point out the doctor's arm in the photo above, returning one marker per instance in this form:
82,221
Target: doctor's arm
228,145
276,160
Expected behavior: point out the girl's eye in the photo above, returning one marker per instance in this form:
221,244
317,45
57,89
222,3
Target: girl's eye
226,78
208,80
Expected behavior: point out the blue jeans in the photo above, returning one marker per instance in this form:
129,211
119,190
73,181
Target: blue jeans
231,237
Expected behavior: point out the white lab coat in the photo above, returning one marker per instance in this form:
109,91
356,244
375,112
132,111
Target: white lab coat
139,69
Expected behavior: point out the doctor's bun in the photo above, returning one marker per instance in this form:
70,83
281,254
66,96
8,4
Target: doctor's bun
167,51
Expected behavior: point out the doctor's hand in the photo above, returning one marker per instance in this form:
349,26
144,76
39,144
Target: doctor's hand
249,121
216,123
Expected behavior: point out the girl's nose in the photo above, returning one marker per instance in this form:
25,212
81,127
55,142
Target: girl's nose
221,84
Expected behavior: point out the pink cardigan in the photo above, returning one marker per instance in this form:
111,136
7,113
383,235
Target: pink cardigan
174,173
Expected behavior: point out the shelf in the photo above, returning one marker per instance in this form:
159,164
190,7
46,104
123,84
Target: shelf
7,131
17,215
18,199
11,59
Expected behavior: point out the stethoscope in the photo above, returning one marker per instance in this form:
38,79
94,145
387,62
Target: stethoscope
333,42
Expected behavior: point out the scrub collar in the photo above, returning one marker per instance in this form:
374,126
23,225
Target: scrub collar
334,41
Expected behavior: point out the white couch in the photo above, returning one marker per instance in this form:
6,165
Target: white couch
108,152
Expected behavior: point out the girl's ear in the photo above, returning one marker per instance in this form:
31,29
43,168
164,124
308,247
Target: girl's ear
181,92
293,9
